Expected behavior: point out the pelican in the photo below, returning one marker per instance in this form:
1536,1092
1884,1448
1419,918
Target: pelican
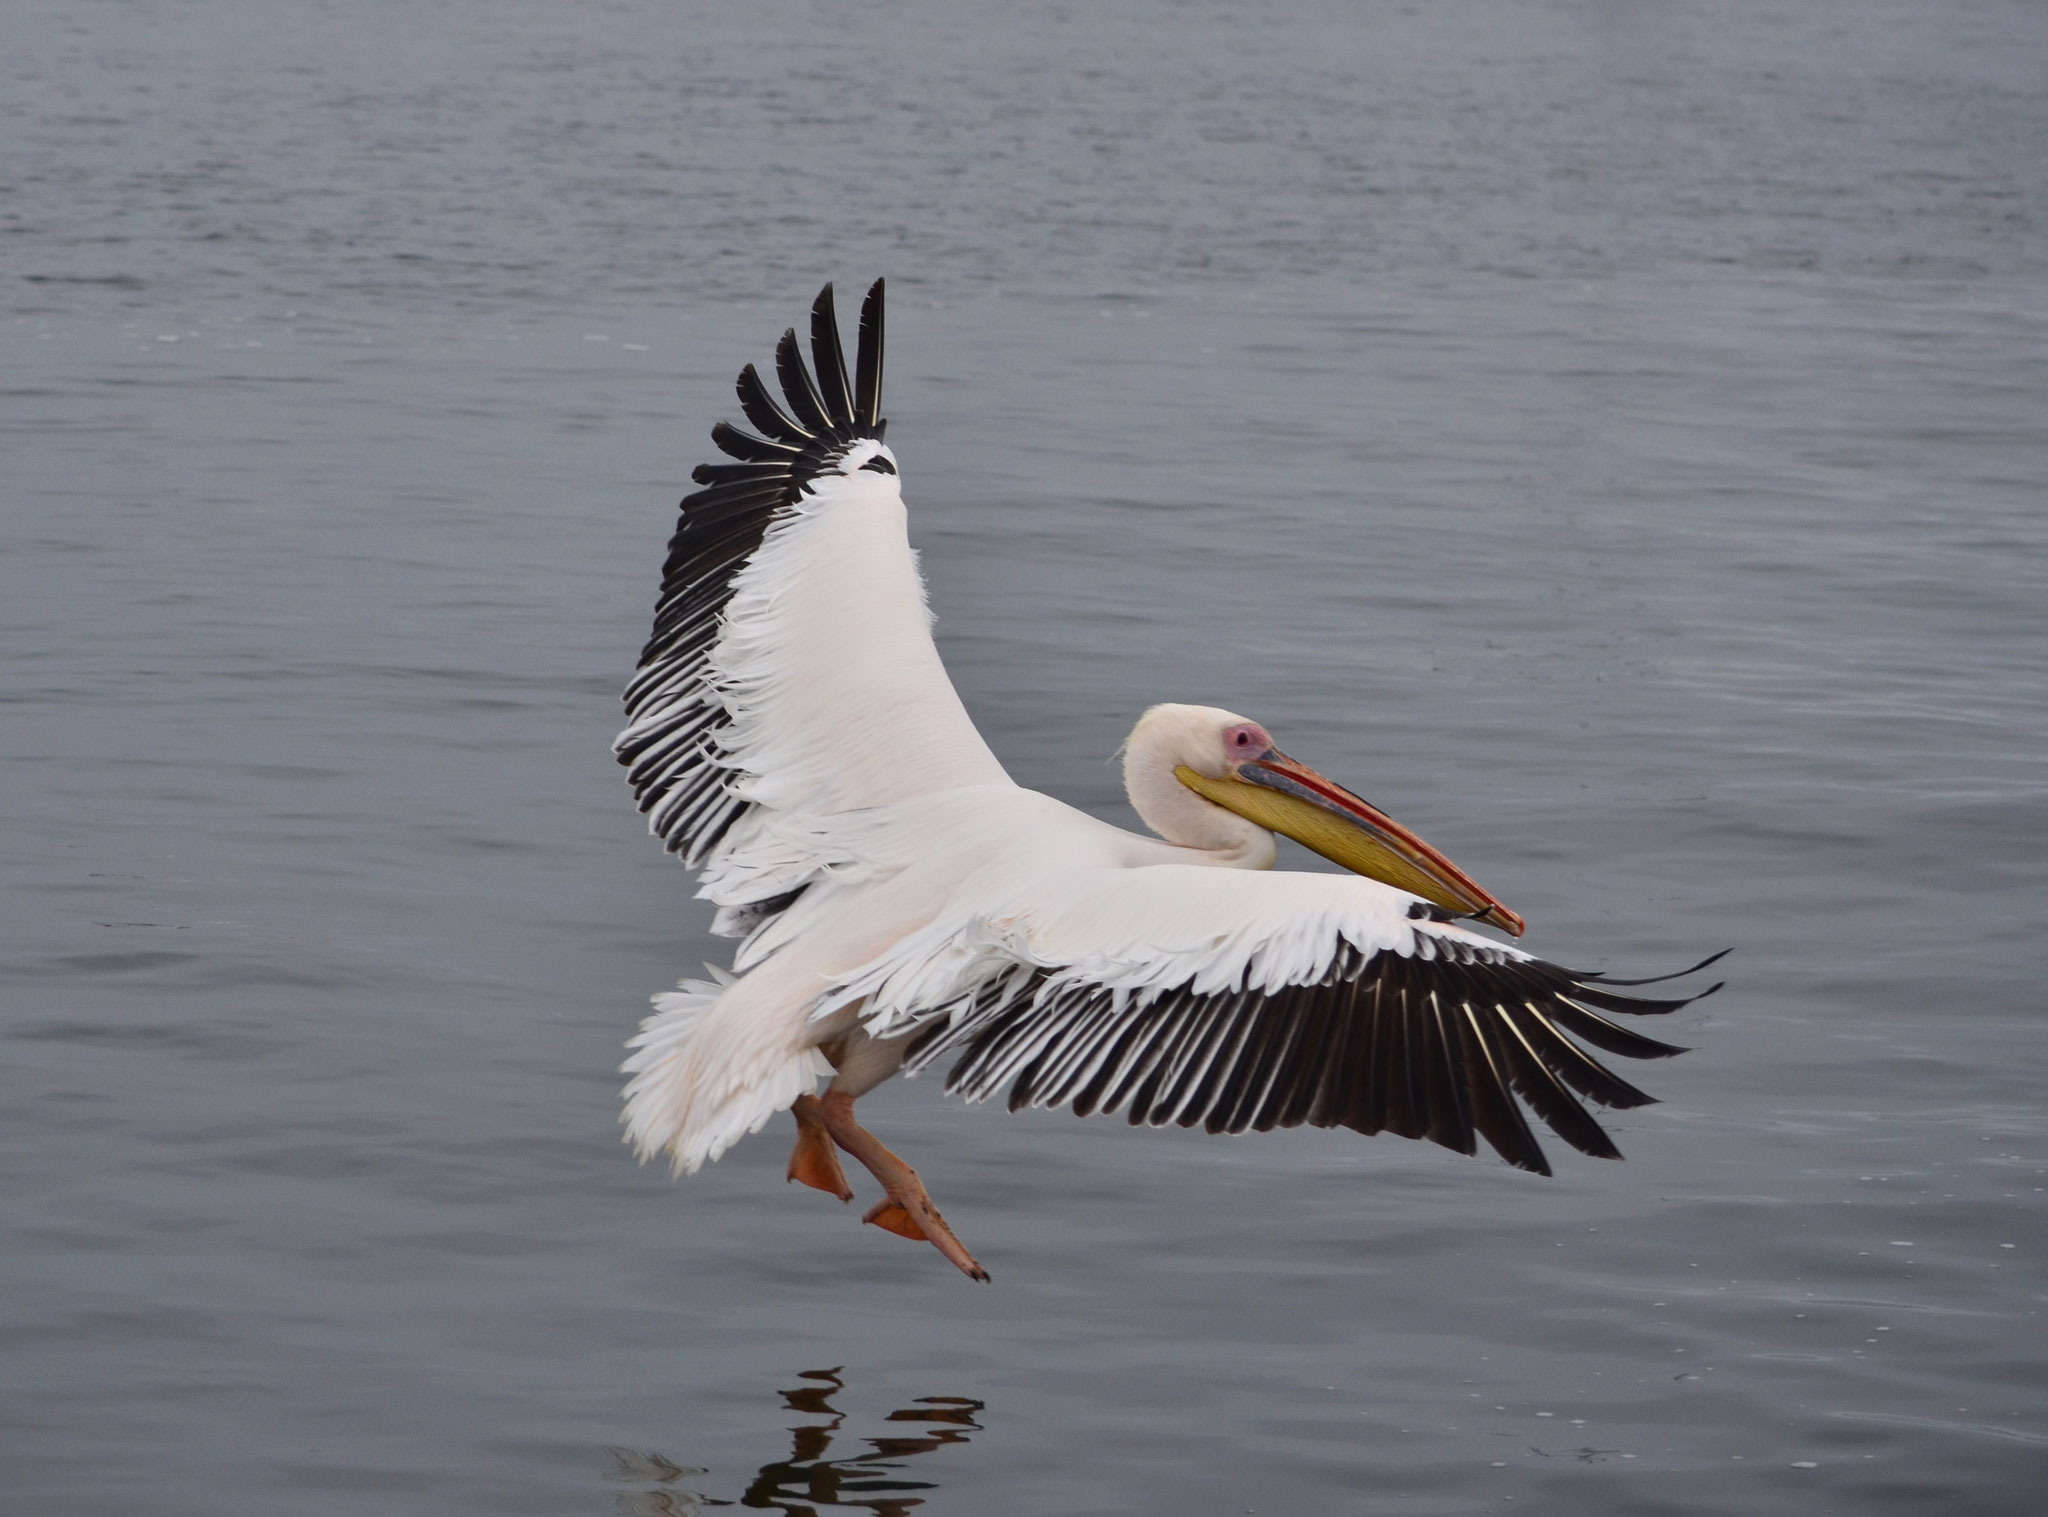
792,735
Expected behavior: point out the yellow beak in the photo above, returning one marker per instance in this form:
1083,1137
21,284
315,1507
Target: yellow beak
1292,799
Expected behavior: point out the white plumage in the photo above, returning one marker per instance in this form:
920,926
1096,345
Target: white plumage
793,733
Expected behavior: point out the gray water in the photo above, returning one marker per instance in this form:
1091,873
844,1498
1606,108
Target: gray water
1610,436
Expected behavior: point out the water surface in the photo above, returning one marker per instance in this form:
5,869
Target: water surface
1608,436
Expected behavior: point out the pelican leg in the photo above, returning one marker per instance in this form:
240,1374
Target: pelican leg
908,1211
815,1161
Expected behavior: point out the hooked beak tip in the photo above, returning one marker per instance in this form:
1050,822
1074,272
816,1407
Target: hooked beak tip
1507,921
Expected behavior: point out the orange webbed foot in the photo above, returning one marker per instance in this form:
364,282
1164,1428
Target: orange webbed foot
815,1161
891,1218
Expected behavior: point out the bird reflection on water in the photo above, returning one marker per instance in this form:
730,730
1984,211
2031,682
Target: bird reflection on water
807,1483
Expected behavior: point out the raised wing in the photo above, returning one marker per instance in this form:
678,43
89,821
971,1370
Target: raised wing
1246,1001
791,668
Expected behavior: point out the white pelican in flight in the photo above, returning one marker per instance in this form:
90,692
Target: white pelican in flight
792,735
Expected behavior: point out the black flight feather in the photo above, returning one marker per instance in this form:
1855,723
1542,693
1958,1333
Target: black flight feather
670,745
830,362
1450,1047
797,387
867,393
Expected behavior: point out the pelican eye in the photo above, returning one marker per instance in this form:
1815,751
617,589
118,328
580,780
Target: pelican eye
880,465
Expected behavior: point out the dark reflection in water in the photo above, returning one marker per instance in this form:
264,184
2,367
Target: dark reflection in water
807,1482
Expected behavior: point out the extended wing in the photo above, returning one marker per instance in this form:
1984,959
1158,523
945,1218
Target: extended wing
791,670
1236,1000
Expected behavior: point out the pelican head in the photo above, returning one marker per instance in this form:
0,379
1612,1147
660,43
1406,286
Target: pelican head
1177,753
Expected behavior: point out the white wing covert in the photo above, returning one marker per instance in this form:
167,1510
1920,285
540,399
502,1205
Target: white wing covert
1247,1001
791,672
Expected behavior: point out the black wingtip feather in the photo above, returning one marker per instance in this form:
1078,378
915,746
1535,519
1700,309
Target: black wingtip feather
867,399
768,417
734,443
1659,979
798,390
1494,1110
1538,1084
830,361
1601,1033
1634,1006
